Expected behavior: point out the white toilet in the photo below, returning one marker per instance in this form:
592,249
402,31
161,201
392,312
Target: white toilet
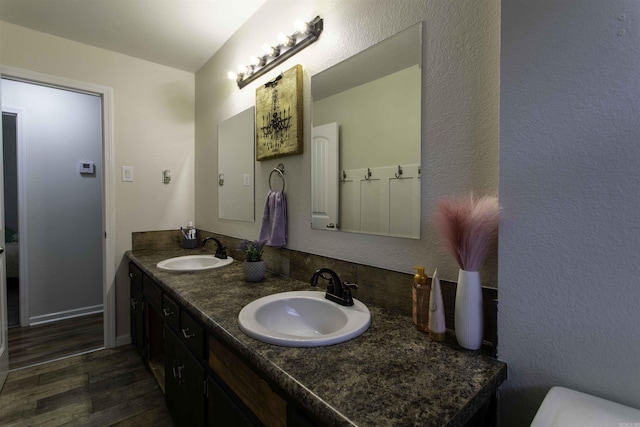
563,407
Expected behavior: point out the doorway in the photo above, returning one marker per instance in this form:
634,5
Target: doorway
103,171
52,170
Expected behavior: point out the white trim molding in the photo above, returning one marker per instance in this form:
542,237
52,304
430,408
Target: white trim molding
68,314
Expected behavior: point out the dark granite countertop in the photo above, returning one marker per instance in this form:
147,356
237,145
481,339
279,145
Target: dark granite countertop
392,374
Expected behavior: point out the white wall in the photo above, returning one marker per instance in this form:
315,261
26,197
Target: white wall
570,188
459,116
153,130
63,207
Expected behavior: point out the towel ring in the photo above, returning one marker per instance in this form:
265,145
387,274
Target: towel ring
280,171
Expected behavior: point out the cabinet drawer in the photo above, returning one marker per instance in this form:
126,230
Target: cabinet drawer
152,293
170,312
192,333
251,389
135,274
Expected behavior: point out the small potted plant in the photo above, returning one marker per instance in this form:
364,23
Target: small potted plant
253,267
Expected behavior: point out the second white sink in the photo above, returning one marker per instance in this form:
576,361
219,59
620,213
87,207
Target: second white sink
303,319
193,263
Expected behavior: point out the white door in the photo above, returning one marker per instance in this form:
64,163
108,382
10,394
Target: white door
325,177
4,348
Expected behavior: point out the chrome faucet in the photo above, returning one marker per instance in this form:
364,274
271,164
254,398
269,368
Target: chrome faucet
337,291
221,251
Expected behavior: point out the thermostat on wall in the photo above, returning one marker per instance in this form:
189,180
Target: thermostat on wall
87,167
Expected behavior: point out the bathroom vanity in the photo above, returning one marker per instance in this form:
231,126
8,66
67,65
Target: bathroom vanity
185,326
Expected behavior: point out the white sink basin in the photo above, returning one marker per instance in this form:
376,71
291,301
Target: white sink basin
303,319
193,263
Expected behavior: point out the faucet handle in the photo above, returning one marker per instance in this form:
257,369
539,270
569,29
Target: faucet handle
346,291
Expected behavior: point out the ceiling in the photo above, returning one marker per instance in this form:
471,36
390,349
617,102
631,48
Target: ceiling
181,34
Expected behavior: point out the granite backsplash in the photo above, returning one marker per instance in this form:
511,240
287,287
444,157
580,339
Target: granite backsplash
388,289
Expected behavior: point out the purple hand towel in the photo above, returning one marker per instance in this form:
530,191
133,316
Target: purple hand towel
273,228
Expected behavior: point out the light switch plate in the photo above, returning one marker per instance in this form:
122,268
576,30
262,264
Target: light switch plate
246,180
127,173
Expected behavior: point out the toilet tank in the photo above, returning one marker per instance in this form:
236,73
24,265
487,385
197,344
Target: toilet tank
563,407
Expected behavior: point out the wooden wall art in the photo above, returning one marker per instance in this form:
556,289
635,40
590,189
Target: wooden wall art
279,116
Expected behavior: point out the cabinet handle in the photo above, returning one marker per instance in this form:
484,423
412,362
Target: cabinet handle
186,334
134,302
132,275
167,312
177,370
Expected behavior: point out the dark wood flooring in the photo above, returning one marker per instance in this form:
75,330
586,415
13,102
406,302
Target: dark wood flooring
41,343
102,388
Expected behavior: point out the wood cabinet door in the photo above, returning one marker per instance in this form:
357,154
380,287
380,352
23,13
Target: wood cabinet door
223,410
137,320
184,382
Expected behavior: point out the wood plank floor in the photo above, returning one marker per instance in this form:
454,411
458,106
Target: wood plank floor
41,343
102,388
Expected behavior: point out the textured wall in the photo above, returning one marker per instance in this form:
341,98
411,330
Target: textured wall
570,189
459,117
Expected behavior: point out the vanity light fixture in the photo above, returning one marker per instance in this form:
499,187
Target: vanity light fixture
306,34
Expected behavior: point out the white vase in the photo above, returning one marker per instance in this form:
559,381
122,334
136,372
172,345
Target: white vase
254,271
469,319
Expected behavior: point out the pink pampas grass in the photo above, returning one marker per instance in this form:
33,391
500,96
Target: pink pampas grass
468,226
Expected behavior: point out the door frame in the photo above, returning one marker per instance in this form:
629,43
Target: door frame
108,247
23,230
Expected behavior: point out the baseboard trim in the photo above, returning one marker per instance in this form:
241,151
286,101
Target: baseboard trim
69,314
123,340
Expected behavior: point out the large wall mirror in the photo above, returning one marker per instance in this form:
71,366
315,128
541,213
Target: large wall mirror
366,137
236,145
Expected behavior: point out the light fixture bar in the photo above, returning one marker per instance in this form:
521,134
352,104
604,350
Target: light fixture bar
282,52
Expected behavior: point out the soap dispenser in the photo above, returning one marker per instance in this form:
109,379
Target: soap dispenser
420,293
437,326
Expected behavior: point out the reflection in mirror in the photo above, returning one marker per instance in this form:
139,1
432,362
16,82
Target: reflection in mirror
324,173
236,154
374,98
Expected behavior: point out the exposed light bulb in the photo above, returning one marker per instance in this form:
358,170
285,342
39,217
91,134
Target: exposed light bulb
257,61
302,26
232,75
269,50
243,69
286,40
